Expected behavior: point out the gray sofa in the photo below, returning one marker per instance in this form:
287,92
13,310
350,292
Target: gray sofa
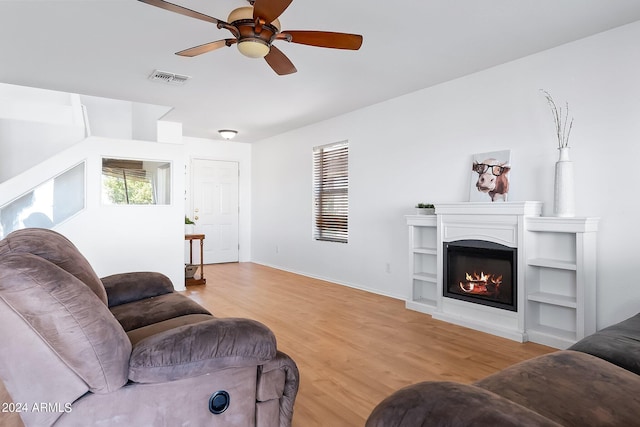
126,350
596,382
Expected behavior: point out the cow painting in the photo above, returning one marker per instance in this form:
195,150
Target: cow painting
493,178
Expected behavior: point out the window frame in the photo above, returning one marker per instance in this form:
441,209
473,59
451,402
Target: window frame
157,175
331,192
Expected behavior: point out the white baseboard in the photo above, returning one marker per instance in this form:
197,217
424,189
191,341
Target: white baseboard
330,280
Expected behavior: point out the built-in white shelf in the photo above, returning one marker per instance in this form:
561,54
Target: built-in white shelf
561,279
425,251
423,255
553,337
552,263
556,269
550,224
554,299
423,305
426,277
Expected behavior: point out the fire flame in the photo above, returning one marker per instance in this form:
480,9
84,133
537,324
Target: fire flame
481,284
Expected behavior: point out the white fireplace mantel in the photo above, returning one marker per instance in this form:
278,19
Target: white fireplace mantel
528,208
555,270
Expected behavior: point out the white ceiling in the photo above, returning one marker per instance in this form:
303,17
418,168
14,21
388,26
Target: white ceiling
108,48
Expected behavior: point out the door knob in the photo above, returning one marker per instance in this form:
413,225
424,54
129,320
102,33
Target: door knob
197,217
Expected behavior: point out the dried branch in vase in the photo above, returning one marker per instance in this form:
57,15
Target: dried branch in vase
561,120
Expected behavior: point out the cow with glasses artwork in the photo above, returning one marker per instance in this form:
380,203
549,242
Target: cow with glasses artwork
491,176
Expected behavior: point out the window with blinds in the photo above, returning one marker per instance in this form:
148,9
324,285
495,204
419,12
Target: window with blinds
135,182
331,192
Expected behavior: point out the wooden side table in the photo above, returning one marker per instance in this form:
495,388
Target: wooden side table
191,238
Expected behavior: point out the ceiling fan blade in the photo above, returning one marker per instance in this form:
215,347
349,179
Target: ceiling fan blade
279,62
269,10
326,39
207,47
181,10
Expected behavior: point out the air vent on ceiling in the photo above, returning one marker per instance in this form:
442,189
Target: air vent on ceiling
167,77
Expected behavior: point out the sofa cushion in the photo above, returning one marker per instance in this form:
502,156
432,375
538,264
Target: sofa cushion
571,388
152,310
123,288
449,404
56,248
137,335
66,314
199,348
618,344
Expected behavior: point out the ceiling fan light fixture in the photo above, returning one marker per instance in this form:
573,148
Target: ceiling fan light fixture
241,13
227,133
245,13
254,35
253,48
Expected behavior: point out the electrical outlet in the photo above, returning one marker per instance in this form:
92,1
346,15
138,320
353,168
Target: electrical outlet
388,268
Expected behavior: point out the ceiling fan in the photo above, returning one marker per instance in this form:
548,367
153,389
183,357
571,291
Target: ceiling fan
256,27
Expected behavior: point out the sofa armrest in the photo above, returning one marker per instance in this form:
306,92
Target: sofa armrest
436,403
278,380
199,348
128,287
618,344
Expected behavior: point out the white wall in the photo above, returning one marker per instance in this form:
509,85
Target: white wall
113,118
34,125
121,238
114,238
417,148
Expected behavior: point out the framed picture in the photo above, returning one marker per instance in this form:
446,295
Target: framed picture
490,176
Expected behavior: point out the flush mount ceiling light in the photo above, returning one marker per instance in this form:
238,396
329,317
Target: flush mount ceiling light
227,133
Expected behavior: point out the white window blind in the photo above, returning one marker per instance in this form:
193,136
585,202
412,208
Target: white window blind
136,182
331,192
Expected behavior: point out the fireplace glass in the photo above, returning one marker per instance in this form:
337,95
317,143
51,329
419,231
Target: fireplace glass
481,272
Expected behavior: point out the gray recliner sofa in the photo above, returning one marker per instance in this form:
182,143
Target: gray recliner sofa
593,383
126,350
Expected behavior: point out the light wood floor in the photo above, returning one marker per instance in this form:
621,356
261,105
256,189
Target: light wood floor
352,348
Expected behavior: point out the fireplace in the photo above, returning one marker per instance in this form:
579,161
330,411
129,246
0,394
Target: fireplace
481,272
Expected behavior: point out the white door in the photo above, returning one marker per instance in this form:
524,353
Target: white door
215,209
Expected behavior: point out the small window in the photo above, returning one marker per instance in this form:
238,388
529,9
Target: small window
331,192
135,182
47,205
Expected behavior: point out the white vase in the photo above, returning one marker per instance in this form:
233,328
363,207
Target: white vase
564,203
189,228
